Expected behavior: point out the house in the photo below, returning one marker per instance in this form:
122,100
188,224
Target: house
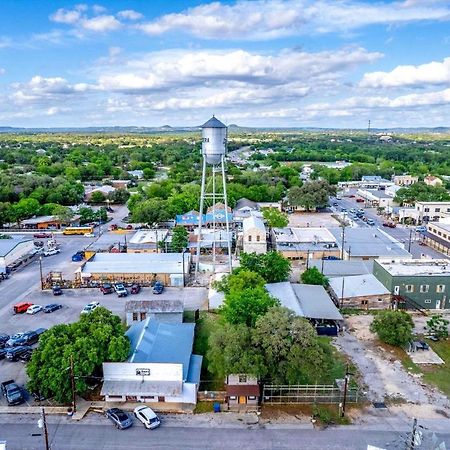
419,283
431,180
243,392
120,184
144,268
438,236
103,189
14,250
368,243
146,241
254,238
161,369
376,198
425,212
48,222
309,301
139,174
243,208
341,268
302,243
168,311
360,291
392,190
404,180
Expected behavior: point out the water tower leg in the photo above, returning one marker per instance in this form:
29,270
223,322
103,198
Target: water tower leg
225,201
214,216
200,217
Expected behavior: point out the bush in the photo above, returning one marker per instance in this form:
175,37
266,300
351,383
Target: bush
393,327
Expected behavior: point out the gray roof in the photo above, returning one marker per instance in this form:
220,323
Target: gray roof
337,268
8,245
369,242
213,123
141,387
245,202
154,306
157,342
358,286
253,222
305,300
379,194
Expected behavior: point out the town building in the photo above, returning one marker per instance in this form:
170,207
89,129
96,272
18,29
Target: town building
48,222
139,174
392,190
146,241
431,180
254,238
360,291
404,180
425,212
341,268
376,198
367,182
103,189
120,184
416,282
438,236
243,208
13,251
303,243
368,243
309,301
168,311
190,220
243,392
169,268
161,369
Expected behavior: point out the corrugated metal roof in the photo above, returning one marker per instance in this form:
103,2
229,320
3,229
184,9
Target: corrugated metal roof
358,286
213,123
7,245
337,268
253,222
154,306
141,387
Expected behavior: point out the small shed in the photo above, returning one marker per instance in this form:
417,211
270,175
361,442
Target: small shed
243,391
168,311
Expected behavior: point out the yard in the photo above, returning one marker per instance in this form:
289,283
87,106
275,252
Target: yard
439,375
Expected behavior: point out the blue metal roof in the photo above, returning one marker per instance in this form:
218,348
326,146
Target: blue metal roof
195,369
192,218
213,123
157,342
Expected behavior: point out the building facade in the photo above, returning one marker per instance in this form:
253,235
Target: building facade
438,236
423,282
168,311
404,180
254,237
243,392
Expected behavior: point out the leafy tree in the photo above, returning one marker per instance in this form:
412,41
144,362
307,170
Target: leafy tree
437,326
421,192
5,213
272,266
275,218
246,306
150,211
25,208
311,195
393,327
119,196
96,338
64,213
179,239
239,280
149,173
97,197
314,276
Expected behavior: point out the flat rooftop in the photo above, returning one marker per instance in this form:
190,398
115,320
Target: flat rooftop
148,236
416,267
442,225
303,235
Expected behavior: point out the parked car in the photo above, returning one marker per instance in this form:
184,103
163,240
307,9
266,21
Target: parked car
12,392
129,227
136,288
13,354
78,256
3,352
34,309
52,251
121,290
158,288
26,355
39,244
330,258
330,245
370,222
26,338
335,204
42,235
89,235
360,200
421,345
57,290
21,307
119,418
421,229
147,416
3,339
90,307
106,288
51,308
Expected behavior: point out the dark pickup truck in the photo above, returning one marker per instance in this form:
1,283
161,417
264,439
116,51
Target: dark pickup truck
12,392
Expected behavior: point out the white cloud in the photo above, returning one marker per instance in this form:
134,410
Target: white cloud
433,73
267,19
129,14
2,71
67,16
101,23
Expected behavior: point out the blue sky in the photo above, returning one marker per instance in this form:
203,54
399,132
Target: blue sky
329,63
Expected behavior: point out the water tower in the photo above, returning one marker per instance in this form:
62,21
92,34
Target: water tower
214,191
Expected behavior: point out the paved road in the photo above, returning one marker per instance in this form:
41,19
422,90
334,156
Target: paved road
26,436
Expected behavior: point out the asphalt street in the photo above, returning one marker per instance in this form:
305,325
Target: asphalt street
27,436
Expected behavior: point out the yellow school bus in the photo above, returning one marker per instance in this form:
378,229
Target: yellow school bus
78,230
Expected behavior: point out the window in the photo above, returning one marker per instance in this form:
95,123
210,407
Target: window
437,209
258,238
424,288
233,397
242,378
440,288
427,209
409,288
143,315
252,397
135,317
380,299
249,239
427,300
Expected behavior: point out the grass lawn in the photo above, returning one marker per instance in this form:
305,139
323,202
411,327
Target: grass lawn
439,375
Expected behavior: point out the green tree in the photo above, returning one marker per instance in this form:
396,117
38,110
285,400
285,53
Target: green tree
5,213
393,327
437,326
272,266
119,196
275,218
246,306
179,239
239,280
420,192
24,209
311,195
63,213
96,338
314,276
97,197
150,211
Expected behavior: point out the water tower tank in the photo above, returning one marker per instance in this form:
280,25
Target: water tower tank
214,142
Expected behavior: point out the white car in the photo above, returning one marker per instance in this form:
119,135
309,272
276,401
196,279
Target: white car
52,251
33,309
90,307
147,416
89,235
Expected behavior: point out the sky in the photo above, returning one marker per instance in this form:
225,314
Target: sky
281,63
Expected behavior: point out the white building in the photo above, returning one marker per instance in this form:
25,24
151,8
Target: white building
146,241
254,238
12,250
161,369
431,180
404,180
425,212
376,198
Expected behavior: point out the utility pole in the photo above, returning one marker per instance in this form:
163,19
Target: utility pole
72,382
40,273
346,379
42,423
412,444
410,238
342,292
343,238
307,259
